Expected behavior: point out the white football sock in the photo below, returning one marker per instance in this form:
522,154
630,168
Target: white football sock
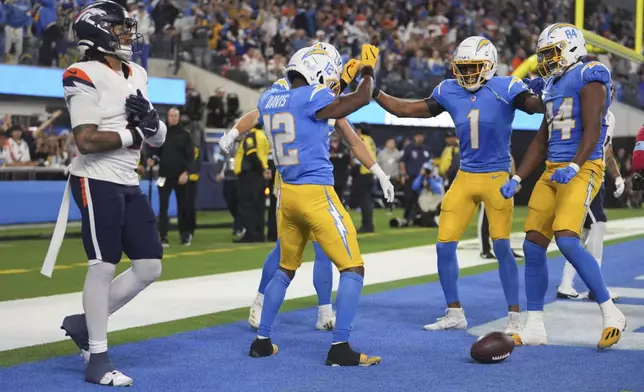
132,281
596,240
95,299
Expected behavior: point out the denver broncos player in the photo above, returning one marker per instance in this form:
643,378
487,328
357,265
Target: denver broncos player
571,135
482,106
111,117
297,123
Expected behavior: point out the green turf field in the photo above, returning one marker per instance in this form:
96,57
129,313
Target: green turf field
212,252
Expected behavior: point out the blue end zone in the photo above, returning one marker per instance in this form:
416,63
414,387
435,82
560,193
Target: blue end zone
388,324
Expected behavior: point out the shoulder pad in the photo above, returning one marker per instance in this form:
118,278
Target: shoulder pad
77,75
319,91
595,71
281,84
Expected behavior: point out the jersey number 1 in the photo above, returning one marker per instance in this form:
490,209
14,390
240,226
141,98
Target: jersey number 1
474,128
563,120
281,128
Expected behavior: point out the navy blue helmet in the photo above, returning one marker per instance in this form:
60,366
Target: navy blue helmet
106,27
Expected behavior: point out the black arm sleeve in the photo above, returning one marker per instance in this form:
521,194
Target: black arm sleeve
519,101
434,107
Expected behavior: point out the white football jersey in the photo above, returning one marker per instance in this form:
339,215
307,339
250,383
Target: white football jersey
610,130
96,94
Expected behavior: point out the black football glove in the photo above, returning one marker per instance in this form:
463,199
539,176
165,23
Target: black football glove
638,182
141,115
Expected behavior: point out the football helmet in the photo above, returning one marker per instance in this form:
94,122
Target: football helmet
317,66
474,62
106,27
559,46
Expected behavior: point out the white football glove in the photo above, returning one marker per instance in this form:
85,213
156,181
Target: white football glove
387,187
226,142
619,187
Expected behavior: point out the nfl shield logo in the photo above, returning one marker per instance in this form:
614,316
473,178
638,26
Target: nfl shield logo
473,98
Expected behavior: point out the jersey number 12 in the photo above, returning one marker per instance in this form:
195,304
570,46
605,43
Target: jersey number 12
281,128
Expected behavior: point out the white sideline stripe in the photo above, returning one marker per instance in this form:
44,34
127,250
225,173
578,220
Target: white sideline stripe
33,321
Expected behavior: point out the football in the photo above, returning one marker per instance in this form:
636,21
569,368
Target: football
494,347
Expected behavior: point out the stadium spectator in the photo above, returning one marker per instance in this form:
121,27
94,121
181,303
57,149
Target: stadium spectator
18,149
340,157
48,31
17,19
145,26
411,163
388,159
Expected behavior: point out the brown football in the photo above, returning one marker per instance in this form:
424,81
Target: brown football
494,347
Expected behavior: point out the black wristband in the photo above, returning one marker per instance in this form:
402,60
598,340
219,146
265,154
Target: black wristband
136,136
367,70
375,93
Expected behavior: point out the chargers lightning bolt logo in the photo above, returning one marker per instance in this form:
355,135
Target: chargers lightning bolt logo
339,224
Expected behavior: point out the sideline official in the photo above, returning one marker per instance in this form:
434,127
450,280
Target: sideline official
191,195
251,167
364,181
175,158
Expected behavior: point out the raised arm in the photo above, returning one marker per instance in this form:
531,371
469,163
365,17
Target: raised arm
424,108
356,144
347,104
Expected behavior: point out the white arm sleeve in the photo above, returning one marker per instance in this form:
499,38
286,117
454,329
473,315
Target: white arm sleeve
158,139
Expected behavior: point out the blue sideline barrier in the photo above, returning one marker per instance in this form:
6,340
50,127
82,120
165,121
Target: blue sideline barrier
39,201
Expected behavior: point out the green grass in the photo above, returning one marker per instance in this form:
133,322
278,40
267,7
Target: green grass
67,347
212,252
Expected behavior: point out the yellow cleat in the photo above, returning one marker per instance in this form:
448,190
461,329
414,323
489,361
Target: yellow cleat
366,360
610,336
517,339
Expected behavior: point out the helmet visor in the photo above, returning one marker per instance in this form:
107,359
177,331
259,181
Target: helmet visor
470,73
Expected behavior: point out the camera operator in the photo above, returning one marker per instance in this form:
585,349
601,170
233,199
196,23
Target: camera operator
175,157
430,190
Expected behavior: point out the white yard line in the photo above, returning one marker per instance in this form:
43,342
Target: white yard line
29,322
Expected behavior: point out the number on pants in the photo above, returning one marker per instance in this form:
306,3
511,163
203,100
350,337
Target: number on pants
474,128
281,128
563,120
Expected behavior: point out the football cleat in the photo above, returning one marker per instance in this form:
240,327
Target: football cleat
567,292
613,327
255,315
100,371
262,348
532,334
326,320
75,327
514,324
342,354
454,319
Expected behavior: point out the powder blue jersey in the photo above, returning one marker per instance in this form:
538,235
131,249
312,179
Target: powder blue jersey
300,142
563,110
483,121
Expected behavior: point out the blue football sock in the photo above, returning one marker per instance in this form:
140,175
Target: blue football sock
271,265
508,271
448,270
346,304
322,275
536,275
273,298
586,266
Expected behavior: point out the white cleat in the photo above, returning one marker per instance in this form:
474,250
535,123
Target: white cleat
514,323
454,319
255,315
614,325
326,321
116,379
533,332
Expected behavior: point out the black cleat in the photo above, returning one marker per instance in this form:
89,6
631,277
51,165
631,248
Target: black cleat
517,255
342,354
75,327
262,348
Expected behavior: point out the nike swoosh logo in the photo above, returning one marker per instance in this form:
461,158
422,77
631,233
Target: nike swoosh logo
72,71
497,176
